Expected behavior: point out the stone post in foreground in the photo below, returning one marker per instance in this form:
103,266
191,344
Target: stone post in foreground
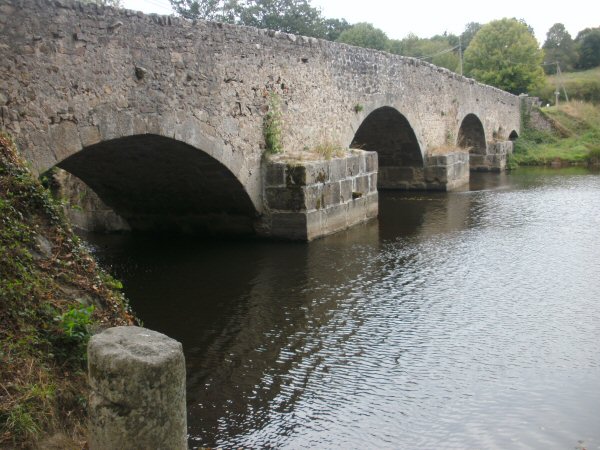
137,400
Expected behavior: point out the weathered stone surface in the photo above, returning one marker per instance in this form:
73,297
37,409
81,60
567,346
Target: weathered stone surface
81,76
137,379
317,198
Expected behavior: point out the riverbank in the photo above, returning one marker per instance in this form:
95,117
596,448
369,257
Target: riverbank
572,137
52,296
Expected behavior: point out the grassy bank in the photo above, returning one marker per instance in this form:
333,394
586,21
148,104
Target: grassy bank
584,86
52,295
575,139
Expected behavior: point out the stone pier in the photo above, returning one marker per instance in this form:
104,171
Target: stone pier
495,158
309,199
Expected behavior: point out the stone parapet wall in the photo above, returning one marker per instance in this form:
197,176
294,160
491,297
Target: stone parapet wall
309,199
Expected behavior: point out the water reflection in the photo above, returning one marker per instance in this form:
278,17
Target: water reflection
456,320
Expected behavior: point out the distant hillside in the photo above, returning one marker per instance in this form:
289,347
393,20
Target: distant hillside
583,85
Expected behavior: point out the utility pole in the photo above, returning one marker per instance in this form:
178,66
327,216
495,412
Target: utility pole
560,81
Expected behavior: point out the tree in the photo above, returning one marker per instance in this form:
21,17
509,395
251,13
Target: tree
505,54
364,35
440,50
215,10
467,36
588,41
113,3
559,47
290,16
335,27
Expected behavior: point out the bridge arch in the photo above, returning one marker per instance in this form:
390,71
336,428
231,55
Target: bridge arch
388,132
513,136
159,183
471,135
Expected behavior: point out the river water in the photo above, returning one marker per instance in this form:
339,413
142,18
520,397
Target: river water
461,320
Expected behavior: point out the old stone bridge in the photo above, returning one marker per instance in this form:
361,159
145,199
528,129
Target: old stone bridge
163,118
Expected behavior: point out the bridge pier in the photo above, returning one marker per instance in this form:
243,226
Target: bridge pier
495,158
447,172
305,200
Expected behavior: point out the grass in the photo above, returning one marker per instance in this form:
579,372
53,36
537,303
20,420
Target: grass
584,85
576,139
272,126
52,294
328,150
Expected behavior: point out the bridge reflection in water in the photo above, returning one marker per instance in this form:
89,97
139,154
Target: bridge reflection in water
455,320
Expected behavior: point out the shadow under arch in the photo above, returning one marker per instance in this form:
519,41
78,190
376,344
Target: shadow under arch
471,135
388,132
161,184
513,136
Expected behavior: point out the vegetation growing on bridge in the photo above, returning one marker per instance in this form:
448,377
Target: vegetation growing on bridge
51,295
272,126
575,138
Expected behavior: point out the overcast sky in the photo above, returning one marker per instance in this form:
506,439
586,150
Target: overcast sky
426,18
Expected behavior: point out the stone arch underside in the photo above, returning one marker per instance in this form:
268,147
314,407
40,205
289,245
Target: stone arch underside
161,184
513,136
471,135
387,132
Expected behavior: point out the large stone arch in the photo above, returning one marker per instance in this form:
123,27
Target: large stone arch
160,183
471,135
107,122
388,132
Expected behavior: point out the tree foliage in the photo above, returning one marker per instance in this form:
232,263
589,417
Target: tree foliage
113,3
559,47
364,35
467,36
440,50
290,16
505,54
588,41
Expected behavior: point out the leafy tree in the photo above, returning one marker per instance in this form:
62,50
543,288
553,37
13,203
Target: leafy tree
559,47
215,10
467,36
439,50
291,16
113,3
335,27
364,35
505,54
588,41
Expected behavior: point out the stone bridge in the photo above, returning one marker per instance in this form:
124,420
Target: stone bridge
163,118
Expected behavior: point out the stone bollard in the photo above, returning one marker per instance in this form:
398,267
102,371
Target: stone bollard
137,400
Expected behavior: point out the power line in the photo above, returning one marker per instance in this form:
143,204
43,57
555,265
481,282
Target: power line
439,53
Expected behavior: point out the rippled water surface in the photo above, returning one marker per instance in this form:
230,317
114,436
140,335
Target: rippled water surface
462,320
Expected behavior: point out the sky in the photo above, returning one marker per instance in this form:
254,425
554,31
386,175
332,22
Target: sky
426,18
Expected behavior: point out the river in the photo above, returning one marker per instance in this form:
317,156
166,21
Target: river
461,320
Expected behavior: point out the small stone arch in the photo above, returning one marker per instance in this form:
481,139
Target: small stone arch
471,135
388,132
162,184
513,136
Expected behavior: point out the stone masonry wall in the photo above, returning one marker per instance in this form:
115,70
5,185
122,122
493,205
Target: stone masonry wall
74,75
310,199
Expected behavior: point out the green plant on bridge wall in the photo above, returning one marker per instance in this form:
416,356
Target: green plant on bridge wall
272,125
